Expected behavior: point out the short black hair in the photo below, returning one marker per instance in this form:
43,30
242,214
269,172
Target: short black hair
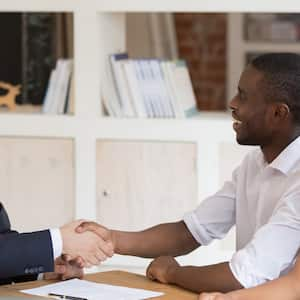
281,79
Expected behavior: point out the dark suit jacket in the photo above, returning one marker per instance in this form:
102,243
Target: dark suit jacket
23,255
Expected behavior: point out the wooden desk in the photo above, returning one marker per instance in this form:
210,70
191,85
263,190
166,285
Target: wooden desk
115,278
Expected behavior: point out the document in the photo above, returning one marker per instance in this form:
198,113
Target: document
91,291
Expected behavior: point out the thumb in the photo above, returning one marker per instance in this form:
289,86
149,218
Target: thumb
82,227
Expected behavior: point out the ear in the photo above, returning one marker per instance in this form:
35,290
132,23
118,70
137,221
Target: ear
281,111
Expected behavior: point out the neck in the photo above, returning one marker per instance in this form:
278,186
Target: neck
272,150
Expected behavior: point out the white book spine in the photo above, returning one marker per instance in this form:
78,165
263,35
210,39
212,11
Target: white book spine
109,93
151,90
127,108
134,89
64,85
49,92
184,88
141,77
55,96
178,112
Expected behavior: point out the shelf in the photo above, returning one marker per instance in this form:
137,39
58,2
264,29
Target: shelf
150,6
65,126
219,125
195,5
39,6
37,125
271,46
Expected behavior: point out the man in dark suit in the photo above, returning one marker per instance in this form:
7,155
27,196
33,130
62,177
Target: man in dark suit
25,255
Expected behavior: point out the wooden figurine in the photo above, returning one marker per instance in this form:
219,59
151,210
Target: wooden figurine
9,99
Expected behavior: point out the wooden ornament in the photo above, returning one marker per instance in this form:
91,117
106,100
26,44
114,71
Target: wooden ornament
9,99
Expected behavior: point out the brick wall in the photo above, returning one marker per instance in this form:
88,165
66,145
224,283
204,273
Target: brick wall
202,43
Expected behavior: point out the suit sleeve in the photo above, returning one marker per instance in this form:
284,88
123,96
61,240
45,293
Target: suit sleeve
25,253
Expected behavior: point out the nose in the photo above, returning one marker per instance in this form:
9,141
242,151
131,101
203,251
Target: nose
233,103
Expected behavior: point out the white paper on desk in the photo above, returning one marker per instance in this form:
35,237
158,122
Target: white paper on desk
92,291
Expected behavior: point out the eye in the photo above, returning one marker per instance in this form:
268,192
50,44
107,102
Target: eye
242,96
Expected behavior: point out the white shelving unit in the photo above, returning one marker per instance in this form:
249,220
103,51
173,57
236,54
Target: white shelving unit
238,47
99,29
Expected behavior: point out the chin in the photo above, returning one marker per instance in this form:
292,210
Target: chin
246,142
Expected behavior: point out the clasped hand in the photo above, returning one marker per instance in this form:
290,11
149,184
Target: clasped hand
86,242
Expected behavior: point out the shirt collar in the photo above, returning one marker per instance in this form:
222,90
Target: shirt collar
287,158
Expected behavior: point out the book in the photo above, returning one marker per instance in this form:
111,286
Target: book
161,89
57,90
178,112
142,82
150,88
109,94
183,89
121,84
134,89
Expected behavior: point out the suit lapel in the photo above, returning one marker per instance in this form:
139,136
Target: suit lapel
4,220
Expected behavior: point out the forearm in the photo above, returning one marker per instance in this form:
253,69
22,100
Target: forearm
35,257
165,239
204,279
282,288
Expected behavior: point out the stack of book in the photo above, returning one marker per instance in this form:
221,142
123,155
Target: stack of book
147,88
59,88
273,27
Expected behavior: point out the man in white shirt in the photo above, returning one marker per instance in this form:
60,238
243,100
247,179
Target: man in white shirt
262,199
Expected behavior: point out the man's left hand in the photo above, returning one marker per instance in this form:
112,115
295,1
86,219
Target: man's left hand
66,269
161,269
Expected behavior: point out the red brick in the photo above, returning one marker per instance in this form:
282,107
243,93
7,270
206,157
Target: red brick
202,43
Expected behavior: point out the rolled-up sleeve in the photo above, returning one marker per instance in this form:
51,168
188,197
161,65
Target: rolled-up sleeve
273,247
214,217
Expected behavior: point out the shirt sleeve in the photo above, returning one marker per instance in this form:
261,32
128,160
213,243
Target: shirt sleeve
57,243
214,217
273,248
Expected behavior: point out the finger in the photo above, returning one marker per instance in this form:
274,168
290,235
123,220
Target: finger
78,262
87,264
66,257
106,248
149,272
86,226
92,259
81,262
100,256
150,276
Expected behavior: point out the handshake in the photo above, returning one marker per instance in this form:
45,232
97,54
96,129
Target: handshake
87,242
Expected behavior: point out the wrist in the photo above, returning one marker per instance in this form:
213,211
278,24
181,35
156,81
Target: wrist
63,238
115,241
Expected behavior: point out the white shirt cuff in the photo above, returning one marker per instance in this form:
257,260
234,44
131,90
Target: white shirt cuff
245,271
57,243
196,229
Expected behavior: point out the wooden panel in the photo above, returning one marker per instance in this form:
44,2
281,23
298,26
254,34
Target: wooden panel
37,181
140,184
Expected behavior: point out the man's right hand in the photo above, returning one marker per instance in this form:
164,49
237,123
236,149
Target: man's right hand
85,244
104,233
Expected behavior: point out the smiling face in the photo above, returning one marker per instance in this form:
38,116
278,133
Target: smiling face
250,111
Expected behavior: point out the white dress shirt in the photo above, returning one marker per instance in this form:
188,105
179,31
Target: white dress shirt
263,201
57,243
